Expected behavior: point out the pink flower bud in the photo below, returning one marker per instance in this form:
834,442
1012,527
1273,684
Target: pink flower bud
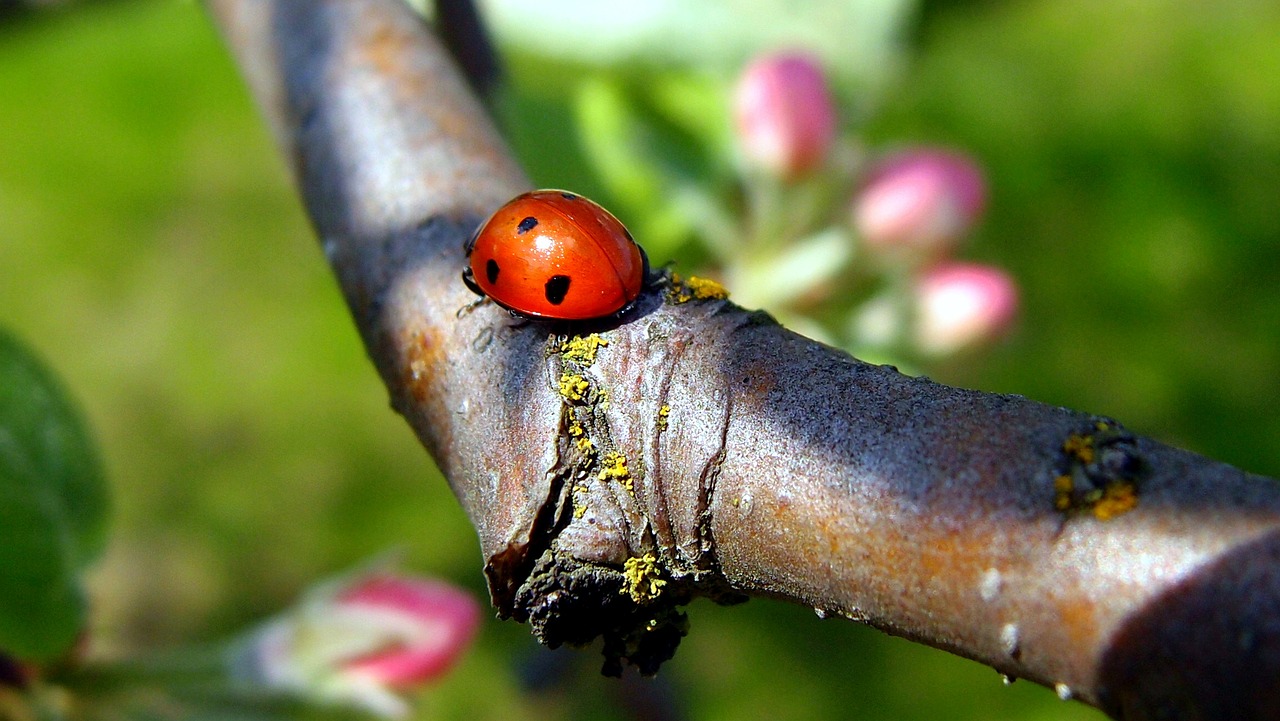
920,201
962,304
359,640
785,117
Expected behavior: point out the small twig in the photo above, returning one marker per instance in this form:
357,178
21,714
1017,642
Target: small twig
459,25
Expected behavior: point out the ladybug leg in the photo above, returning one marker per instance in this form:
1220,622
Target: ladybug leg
464,310
470,281
518,321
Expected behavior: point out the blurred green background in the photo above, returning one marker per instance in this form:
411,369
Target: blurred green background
152,250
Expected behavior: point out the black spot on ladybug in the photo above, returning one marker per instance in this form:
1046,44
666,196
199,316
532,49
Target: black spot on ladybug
568,196
526,225
491,271
557,287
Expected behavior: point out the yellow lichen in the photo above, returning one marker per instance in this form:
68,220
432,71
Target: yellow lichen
1118,498
579,501
684,290
706,289
643,584
573,387
1080,447
614,467
580,439
1106,491
603,395
1062,487
582,349
663,412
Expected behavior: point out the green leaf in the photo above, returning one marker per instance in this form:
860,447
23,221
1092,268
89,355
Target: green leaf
644,157
53,508
803,267
860,40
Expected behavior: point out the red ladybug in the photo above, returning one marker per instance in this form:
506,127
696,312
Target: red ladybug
554,255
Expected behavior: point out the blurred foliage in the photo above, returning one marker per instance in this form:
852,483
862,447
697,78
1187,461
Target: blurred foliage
637,93
53,509
1135,170
857,37
152,248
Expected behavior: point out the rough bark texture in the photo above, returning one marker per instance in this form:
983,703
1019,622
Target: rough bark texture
707,451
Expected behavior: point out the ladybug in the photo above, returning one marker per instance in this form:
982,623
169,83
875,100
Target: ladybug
554,255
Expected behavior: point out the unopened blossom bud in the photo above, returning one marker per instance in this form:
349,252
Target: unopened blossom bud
959,305
359,641
920,201
785,116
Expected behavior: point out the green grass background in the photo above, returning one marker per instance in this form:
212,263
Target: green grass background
153,251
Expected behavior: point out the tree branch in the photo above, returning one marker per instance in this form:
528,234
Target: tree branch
705,450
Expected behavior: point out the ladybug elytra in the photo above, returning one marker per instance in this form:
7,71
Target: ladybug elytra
555,255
